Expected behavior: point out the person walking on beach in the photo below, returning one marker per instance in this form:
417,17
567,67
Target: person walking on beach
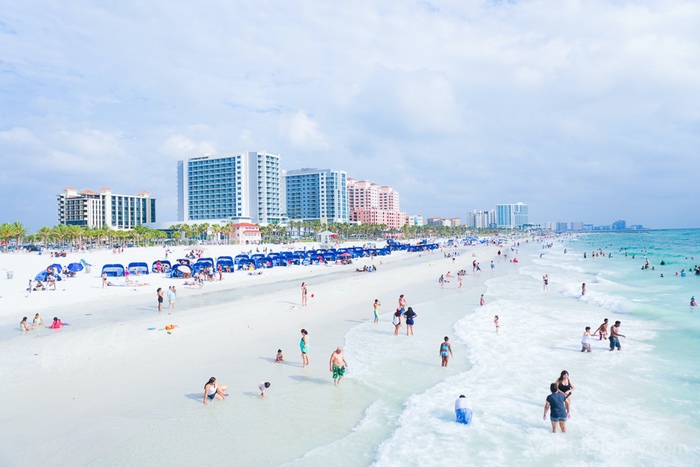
586,340
410,315
396,321
304,296
482,301
545,282
496,323
445,351
377,304
337,365
213,391
615,335
558,412
602,330
104,280
304,346
172,295
159,293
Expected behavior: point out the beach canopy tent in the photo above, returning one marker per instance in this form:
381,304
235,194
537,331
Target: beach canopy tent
226,263
183,261
43,275
203,263
164,266
113,270
180,270
75,267
256,263
137,268
239,259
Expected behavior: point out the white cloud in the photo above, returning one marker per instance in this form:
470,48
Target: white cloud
303,132
179,147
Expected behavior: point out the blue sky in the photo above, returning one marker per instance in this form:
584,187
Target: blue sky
585,110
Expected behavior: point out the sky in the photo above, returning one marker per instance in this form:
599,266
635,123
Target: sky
585,110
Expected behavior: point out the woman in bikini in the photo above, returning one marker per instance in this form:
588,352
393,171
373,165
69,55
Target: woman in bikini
566,387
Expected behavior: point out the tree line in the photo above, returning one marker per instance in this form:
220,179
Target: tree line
63,235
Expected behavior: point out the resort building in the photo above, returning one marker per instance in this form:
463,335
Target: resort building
485,219
316,195
370,203
105,209
245,233
415,221
243,187
511,216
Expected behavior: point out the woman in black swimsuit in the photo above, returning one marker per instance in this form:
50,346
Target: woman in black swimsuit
566,387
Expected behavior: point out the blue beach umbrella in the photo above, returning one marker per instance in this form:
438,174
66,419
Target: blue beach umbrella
75,267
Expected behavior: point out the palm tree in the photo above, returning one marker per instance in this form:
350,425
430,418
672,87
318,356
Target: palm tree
45,233
6,234
20,231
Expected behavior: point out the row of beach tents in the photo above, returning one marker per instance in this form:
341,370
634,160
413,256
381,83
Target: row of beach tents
185,266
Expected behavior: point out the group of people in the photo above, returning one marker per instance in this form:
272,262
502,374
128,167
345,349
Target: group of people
602,332
38,322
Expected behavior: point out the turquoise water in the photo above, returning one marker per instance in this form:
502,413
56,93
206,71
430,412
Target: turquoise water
639,406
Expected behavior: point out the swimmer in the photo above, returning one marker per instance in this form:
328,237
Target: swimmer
445,351
24,326
602,330
337,365
377,304
410,315
586,340
37,320
396,321
463,410
213,391
558,413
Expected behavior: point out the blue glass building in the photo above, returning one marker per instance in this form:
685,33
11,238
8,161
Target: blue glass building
316,195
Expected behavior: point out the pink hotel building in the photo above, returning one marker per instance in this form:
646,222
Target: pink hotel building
369,203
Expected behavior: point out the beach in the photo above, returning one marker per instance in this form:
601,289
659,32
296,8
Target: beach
109,390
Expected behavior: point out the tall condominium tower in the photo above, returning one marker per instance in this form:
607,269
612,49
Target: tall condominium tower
511,216
370,203
316,194
236,187
105,209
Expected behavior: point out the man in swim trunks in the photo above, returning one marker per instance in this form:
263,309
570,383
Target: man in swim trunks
614,336
602,330
377,304
402,304
337,365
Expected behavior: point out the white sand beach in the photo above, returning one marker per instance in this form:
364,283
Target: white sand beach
110,390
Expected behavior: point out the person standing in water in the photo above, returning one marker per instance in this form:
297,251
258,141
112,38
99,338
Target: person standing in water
377,304
304,292
482,301
496,323
615,335
558,411
304,346
586,340
583,289
410,315
402,303
445,351
396,321
337,365
545,282
602,330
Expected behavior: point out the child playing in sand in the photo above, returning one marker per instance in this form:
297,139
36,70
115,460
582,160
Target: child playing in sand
279,358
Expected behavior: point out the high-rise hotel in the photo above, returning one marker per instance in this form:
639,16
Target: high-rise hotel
511,216
105,209
230,187
316,195
370,203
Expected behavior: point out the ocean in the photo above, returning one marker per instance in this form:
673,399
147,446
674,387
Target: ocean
638,406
